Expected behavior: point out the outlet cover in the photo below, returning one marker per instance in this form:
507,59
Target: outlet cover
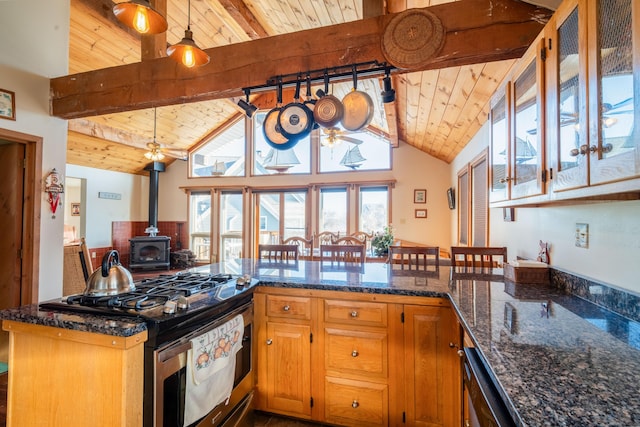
582,235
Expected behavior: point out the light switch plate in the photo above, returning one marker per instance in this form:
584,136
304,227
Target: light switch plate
582,235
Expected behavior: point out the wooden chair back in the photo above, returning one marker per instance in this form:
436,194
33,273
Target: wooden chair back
365,237
349,240
326,238
278,252
478,256
77,267
305,246
353,254
415,257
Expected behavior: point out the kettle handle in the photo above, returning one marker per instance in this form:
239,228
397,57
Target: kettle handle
106,261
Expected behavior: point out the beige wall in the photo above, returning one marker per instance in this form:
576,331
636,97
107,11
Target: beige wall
412,169
614,232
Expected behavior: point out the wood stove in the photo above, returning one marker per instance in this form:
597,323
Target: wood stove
150,252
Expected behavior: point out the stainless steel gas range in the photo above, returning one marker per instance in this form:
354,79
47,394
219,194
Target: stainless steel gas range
178,309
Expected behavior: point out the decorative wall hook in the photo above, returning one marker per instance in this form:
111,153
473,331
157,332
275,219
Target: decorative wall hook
53,186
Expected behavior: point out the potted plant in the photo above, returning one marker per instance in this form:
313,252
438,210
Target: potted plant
381,241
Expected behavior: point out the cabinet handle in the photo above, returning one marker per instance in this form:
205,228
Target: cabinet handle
355,404
606,148
269,341
286,308
354,353
460,352
505,179
583,150
354,314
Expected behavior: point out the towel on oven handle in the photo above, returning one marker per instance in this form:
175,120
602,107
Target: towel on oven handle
211,365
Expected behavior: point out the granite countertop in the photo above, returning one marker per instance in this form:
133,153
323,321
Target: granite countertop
560,360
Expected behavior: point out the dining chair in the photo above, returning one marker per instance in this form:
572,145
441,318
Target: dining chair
352,254
305,246
349,240
278,252
478,256
77,268
415,257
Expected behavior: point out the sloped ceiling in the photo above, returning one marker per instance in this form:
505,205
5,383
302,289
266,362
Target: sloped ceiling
437,110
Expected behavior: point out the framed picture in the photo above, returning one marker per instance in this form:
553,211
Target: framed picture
75,209
7,104
421,213
419,196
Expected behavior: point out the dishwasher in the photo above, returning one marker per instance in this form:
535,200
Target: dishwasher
484,405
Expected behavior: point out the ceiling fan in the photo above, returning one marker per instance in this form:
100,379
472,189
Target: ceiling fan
336,135
156,152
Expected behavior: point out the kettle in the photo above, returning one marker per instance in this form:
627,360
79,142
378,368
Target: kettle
111,278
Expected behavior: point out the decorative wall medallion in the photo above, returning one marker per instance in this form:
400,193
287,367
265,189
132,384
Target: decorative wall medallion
412,38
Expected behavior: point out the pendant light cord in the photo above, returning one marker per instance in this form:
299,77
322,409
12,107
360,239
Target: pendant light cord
189,16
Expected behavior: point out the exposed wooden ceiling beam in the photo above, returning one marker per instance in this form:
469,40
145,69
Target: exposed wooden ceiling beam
503,31
244,17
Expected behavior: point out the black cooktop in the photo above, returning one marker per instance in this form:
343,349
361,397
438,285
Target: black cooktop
162,298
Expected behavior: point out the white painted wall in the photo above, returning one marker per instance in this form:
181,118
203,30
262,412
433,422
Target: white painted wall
412,169
614,232
100,213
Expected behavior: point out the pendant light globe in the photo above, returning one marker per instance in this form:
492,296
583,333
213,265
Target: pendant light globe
187,52
140,16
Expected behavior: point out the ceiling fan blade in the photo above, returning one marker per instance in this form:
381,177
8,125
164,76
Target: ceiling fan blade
175,153
349,139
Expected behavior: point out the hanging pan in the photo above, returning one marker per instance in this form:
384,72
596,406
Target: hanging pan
328,110
295,119
310,103
273,136
358,107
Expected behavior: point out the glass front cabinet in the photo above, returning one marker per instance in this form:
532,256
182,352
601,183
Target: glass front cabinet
562,126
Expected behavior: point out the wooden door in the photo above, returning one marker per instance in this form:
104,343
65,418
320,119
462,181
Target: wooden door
432,368
11,193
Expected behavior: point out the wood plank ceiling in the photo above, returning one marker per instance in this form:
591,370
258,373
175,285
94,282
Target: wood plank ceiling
437,111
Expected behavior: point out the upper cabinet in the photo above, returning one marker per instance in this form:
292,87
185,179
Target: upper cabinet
614,80
562,127
517,130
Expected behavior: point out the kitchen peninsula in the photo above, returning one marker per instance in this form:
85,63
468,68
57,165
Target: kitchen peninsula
558,359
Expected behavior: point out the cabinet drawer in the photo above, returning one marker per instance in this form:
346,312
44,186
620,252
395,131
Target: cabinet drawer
357,353
356,403
289,307
355,312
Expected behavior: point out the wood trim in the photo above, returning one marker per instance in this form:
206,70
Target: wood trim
31,212
162,81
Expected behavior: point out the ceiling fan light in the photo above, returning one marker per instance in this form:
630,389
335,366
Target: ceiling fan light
187,52
140,16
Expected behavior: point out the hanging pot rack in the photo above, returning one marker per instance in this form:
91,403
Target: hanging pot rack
343,72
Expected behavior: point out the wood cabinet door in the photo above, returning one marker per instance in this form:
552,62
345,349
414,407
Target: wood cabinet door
500,167
528,124
614,90
288,368
567,133
432,368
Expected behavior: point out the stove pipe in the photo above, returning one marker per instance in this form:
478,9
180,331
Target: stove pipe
154,169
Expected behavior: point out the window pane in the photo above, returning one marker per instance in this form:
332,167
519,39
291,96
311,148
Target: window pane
374,209
230,226
269,214
499,145
372,152
333,210
200,226
268,160
223,155
295,214
463,208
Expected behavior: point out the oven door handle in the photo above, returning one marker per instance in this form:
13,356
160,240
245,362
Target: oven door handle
184,344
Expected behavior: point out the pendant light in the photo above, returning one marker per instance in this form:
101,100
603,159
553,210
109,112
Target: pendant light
140,16
187,52
155,151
